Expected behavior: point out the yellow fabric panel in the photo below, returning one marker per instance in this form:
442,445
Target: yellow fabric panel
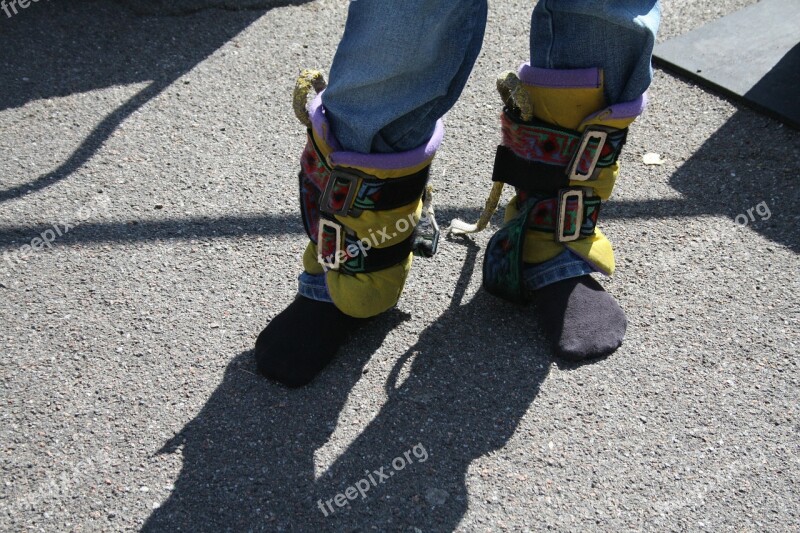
362,295
604,184
597,250
385,221
602,120
565,107
393,173
310,263
366,295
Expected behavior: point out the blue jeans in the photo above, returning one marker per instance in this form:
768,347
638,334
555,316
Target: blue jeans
400,66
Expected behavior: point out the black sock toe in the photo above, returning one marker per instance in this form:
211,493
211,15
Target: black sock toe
298,343
581,318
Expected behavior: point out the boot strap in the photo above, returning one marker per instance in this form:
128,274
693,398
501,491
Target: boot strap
349,192
554,154
571,215
339,249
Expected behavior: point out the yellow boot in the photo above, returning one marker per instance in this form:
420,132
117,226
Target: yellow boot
560,148
362,214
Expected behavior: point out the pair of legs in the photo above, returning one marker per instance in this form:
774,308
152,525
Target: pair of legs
373,132
401,66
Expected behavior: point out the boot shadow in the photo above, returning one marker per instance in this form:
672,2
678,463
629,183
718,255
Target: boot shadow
459,393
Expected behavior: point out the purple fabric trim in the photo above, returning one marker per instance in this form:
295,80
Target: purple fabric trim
580,78
623,110
394,161
397,160
631,109
320,124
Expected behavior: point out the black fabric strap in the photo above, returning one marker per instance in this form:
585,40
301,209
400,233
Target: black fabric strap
391,193
526,175
375,259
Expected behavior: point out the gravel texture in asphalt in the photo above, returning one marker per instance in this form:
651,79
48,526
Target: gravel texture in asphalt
155,142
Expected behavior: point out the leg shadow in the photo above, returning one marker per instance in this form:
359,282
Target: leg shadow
459,393
248,456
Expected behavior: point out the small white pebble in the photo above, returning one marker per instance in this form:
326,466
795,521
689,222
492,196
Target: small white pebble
652,158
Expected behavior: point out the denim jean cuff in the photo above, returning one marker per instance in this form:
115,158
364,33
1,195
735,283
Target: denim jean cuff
566,265
313,287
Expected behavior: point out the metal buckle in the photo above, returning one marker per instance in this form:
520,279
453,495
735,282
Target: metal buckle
563,198
573,169
321,238
339,176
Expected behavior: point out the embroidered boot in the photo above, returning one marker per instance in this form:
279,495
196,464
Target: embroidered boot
559,151
364,215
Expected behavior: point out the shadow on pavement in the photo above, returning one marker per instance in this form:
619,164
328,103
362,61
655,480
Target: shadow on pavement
187,228
248,458
749,160
57,49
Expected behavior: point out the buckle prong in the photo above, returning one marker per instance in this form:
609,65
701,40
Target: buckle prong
323,260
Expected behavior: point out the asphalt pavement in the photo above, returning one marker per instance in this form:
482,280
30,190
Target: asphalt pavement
149,230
